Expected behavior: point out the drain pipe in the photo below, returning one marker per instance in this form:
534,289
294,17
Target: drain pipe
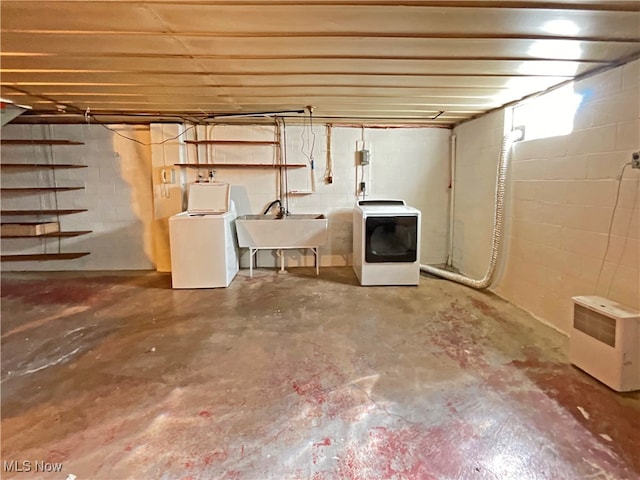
452,196
496,241
280,253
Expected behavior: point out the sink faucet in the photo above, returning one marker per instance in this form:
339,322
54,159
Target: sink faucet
282,212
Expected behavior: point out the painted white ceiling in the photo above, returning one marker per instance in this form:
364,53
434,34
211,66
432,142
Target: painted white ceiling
410,61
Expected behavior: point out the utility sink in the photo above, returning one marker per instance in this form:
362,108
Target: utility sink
291,231
265,232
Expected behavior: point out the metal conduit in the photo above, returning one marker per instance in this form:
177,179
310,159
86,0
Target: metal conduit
496,242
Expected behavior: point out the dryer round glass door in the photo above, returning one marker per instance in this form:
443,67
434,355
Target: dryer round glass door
391,239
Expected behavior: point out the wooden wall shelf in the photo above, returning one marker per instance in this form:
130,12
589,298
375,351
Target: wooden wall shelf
28,257
40,189
11,141
40,165
50,235
232,142
15,213
239,165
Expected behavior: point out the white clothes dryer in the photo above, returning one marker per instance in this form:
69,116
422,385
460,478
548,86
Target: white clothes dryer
386,243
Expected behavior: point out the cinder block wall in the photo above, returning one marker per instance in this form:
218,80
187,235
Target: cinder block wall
562,194
129,205
406,163
116,194
478,145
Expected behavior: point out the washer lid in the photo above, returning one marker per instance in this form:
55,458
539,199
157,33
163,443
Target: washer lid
208,198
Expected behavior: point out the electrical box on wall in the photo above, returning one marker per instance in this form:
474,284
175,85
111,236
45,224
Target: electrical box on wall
364,157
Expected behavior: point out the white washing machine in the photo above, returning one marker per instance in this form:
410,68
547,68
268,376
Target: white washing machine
386,243
204,252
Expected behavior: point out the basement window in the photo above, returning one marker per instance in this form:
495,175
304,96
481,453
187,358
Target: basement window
549,115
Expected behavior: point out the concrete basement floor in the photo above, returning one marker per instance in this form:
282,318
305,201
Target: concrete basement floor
116,376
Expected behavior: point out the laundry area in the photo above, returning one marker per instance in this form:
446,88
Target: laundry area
402,242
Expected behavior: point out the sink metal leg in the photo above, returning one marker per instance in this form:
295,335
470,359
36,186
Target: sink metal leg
315,254
253,252
252,256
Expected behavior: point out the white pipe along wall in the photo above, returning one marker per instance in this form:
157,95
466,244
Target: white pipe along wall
452,199
497,234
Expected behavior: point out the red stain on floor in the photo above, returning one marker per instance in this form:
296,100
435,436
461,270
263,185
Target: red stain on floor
205,414
324,443
215,456
484,308
111,435
348,405
326,389
316,450
58,455
311,389
411,453
232,475
457,337
505,322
